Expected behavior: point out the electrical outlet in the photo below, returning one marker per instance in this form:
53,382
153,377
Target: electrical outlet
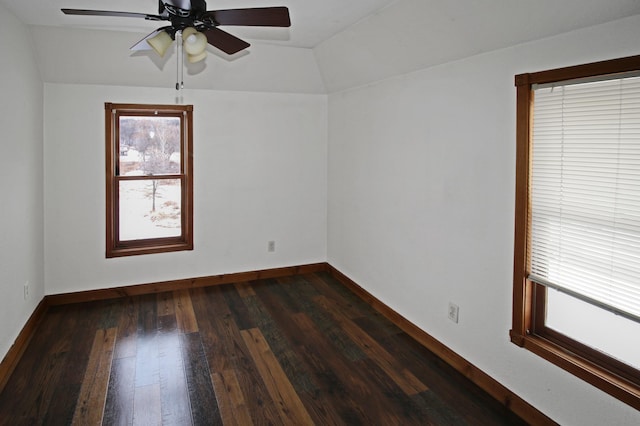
453,312
26,290
271,246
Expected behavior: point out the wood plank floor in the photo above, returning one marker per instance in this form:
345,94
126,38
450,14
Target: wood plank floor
296,351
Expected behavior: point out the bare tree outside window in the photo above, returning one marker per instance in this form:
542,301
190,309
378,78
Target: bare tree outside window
157,141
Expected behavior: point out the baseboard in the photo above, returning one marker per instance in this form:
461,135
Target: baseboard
181,284
473,373
16,350
512,401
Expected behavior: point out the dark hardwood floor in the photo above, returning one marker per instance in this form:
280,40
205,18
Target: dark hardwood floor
296,351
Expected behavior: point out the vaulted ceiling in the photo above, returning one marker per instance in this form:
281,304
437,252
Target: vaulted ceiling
353,42
313,21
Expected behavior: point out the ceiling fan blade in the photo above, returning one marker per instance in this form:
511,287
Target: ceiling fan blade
224,41
112,13
258,16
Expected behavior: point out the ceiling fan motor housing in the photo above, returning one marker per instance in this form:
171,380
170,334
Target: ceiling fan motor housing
182,8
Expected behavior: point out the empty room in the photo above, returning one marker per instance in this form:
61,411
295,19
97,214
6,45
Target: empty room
292,212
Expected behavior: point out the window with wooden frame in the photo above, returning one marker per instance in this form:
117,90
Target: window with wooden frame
149,178
576,290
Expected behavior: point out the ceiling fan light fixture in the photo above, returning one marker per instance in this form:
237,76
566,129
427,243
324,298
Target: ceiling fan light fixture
160,42
194,43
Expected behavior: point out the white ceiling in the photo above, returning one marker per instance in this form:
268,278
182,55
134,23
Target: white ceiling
331,46
410,35
313,21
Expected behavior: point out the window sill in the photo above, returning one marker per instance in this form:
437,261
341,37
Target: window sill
596,375
151,249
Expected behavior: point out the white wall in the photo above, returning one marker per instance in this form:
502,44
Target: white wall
21,211
421,201
260,175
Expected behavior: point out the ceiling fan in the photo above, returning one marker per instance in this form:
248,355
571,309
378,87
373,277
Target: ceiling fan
197,26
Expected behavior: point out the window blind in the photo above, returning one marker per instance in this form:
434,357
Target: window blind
585,192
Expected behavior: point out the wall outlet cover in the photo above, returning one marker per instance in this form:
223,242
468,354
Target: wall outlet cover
453,312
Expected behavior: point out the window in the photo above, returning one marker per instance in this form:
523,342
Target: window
576,291
149,169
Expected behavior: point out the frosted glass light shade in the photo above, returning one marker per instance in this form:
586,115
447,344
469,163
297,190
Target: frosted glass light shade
194,44
160,42
197,58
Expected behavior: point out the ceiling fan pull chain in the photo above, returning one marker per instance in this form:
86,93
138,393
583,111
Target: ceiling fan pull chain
177,64
179,61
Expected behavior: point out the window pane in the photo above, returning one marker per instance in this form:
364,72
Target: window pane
149,146
150,208
593,326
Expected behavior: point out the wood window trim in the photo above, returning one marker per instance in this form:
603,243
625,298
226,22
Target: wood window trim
116,248
526,332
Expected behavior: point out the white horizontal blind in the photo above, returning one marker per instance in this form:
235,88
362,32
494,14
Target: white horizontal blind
585,192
